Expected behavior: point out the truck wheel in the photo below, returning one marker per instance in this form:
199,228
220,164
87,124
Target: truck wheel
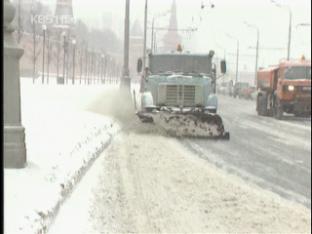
278,110
261,105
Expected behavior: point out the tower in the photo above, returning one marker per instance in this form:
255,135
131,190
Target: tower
64,12
172,38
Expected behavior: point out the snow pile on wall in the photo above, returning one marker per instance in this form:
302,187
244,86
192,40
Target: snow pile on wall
62,140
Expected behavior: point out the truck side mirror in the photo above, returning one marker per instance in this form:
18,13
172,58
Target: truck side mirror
223,66
139,65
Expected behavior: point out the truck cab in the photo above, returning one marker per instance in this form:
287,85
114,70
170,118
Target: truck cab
285,88
180,80
178,93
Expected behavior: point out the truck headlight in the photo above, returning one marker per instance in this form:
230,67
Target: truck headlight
291,88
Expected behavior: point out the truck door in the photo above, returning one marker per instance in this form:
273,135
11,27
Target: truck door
275,79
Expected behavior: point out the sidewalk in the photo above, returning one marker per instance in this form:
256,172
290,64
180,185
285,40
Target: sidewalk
62,140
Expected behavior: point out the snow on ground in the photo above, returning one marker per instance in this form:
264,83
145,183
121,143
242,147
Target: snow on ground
147,182
62,139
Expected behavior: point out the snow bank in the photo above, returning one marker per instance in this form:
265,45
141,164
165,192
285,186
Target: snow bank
62,140
159,186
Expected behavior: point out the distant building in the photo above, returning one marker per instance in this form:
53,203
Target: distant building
64,17
63,21
64,10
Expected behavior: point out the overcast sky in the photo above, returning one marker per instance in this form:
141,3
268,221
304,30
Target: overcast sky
227,17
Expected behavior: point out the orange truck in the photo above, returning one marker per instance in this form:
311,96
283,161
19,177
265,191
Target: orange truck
285,88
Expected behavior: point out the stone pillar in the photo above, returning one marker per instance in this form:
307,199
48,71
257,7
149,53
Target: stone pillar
14,133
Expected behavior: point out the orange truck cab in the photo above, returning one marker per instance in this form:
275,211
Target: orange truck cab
285,88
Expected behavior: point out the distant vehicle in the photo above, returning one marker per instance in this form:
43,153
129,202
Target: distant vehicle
226,88
222,88
247,92
238,87
285,88
179,94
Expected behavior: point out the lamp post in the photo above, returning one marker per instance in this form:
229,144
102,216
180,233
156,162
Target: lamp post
64,54
99,60
237,55
257,49
101,67
105,68
86,65
48,57
92,66
44,29
81,56
125,84
289,25
58,53
110,69
145,31
96,70
74,60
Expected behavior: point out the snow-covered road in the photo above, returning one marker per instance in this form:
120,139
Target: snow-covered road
148,182
274,154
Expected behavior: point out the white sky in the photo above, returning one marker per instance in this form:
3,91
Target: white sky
227,17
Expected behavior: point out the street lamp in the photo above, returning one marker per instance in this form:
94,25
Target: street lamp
48,65
80,66
289,25
257,48
92,66
64,55
237,55
74,61
145,31
105,68
109,72
102,67
125,76
44,29
86,65
99,67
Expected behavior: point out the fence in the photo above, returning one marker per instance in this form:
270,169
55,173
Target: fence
71,62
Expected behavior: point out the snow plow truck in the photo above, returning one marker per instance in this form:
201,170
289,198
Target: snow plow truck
285,88
178,93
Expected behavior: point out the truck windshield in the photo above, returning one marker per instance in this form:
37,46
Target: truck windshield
294,73
180,63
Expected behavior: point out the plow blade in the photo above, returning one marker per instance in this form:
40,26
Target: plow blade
197,124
